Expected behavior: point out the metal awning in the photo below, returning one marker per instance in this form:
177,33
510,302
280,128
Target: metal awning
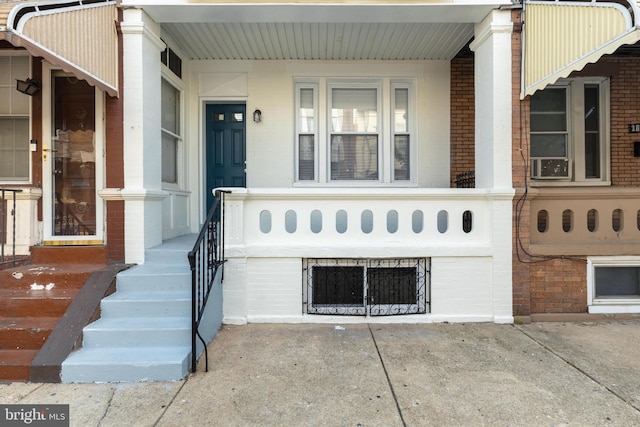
563,36
78,36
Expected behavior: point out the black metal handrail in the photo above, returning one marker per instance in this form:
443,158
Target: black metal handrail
206,257
3,218
466,180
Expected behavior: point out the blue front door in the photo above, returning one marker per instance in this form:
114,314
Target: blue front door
226,147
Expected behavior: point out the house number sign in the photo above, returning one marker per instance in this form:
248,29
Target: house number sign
634,128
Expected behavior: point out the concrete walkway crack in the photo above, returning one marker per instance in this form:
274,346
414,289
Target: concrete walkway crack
386,374
173,399
580,370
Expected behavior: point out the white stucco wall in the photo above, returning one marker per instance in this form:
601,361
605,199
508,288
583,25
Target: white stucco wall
269,86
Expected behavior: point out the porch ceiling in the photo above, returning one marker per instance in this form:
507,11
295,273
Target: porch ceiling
322,30
319,41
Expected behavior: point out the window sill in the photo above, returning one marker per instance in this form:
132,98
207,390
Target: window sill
354,184
611,307
559,183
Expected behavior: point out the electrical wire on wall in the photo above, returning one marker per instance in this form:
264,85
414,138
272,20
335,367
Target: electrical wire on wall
524,154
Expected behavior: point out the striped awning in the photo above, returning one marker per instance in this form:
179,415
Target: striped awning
78,36
562,36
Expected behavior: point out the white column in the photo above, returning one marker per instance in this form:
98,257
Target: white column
493,97
493,80
142,193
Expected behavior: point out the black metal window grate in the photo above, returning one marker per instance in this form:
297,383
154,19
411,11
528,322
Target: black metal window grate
371,287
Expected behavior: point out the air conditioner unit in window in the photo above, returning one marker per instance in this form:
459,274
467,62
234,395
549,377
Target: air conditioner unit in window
550,168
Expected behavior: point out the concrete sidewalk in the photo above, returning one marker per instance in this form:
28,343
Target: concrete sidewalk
540,374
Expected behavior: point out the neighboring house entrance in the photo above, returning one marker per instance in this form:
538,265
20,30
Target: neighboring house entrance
226,147
71,139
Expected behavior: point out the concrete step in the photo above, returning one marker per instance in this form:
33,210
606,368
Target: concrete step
173,251
151,277
126,364
145,304
148,332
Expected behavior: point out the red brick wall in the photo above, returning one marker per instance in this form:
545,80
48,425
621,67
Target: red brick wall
625,109
559,285
115,169
462,117
521,212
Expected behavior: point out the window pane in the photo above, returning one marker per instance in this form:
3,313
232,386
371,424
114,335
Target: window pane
617,281
548,122
354,110
354,157
306,156
592,131
401,158
592,155
549,100
14,148
401,110
548,146
169,158
306,113
170,107
549,110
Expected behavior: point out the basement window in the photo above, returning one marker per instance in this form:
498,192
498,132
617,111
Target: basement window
366,287
614,284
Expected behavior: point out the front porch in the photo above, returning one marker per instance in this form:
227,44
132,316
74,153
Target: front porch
269,232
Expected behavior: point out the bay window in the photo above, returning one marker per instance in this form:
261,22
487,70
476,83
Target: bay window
365,135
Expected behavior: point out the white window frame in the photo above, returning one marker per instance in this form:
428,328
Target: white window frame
385,86
178,84
576,131
28,116
610,305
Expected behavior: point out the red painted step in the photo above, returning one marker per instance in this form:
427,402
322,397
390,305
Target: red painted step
15,364
25,333
33,298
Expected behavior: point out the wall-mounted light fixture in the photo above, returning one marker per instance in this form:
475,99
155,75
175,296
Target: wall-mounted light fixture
257,116
28,87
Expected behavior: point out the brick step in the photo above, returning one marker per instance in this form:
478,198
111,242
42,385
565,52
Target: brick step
37,303
68,255
22,333
14,364
62,276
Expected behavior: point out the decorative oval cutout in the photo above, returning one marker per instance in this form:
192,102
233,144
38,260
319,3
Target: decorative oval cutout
417,221
265,221
467,221
443,221
366,221
315,221
592,220
341,221
567,220
291,221
392,221
543,221
617,220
